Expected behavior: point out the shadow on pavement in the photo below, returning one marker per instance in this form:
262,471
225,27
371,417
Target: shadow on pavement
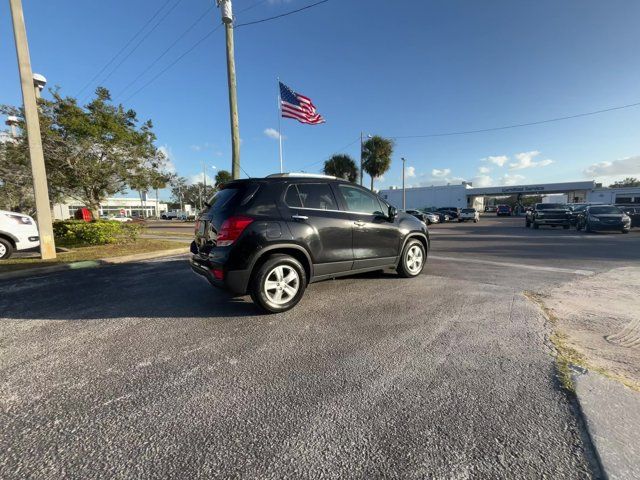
157,289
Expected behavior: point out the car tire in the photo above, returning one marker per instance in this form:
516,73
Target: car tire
624,230
269,284
6,249
412,260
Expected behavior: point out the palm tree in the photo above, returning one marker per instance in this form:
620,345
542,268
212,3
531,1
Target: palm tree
222,177
341,166
376,156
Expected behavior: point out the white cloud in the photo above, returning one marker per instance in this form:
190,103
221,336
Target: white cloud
511,179
484,170
482,181
198,179
411,171
272,133
526,160
168,156
623,166
437,172
498,160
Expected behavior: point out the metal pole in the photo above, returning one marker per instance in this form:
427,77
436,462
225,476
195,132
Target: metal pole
404,190
204,180
40,187
227,18
361,149
280,125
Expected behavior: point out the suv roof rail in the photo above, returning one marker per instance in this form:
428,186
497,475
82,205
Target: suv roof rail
300,174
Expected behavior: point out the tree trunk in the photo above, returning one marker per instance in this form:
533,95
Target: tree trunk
141,203
372,183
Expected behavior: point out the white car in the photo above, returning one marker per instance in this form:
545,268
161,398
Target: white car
469,214
17,232
121,218
433,218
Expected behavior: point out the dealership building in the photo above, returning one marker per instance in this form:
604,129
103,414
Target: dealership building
114,206
466,195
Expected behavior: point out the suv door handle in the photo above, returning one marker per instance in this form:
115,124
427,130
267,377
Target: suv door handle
299,217
359,223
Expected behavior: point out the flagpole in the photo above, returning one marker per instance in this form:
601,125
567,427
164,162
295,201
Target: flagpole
280,124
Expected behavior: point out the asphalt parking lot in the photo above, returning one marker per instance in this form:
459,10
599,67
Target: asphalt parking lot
143,370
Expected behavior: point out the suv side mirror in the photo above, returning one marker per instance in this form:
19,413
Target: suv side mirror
393,212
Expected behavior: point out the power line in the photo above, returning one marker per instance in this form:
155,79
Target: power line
123,48
167,50
184,54
257,4
281,15
166,14
338,150
518,125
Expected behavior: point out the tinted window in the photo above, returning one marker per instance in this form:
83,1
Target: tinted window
360,200
468,210
604,210
311,195
222,198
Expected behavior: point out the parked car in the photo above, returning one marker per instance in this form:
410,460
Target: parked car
120,218
270,237
432,217
442,217
17,232
490,209
633,212
469,214
503,210
574,211
597,218
452,212
551,214
419,215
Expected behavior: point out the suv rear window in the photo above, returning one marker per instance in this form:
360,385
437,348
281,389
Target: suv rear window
222,198
311,195
468,210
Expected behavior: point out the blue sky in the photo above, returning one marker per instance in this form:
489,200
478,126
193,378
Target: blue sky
384,67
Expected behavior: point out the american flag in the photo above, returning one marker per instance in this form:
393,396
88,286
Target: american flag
299,107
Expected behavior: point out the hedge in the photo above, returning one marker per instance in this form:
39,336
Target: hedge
100,232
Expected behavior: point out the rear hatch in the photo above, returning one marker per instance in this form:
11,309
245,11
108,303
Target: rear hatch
221,206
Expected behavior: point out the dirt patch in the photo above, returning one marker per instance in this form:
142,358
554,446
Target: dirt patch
598,317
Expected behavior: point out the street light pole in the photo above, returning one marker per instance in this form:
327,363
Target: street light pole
227,18
39,81
40,188
404,190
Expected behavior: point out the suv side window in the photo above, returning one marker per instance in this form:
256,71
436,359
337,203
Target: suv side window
360,201
311,195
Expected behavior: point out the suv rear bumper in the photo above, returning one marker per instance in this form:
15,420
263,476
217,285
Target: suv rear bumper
553,221
235,281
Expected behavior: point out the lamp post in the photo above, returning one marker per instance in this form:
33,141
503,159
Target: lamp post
12,123
404,190
361,152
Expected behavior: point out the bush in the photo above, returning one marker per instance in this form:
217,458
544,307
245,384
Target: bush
78,232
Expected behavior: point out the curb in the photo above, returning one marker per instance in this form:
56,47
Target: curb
27,272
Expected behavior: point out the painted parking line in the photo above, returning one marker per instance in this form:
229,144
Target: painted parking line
540,268
497,235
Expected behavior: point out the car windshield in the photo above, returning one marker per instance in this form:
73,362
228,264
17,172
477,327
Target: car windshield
551,206
221,198
604,210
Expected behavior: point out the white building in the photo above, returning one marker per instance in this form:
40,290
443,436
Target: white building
465,195
131,207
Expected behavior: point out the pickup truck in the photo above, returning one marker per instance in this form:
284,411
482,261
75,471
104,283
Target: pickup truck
552,214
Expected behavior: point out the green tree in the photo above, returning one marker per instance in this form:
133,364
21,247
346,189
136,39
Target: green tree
376,156
222,177
91,152
341,166
627,182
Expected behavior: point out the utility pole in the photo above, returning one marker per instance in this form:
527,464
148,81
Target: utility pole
404,190
361,151
227,17
40,188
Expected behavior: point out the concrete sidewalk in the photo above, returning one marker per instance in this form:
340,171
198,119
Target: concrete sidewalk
612,414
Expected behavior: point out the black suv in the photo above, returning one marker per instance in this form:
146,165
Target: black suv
270,237
552,214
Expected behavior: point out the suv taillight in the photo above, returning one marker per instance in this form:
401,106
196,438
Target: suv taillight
231,229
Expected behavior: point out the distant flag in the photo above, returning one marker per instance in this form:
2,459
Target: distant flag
299,107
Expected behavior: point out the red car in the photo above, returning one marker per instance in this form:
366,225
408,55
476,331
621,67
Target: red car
503,210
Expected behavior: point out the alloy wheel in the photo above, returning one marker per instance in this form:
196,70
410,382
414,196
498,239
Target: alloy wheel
281,284
414,259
